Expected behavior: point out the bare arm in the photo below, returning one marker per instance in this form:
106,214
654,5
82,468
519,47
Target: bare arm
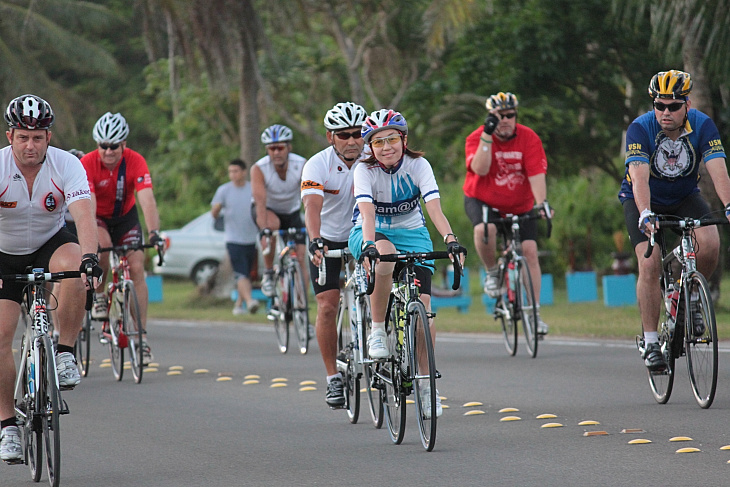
367,211
433,207
482,160
639,173
313,220
718,173
216,210
539,187
148,204
258,190
85,219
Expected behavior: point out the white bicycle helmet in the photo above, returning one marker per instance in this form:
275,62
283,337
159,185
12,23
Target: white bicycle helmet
344,115
381,120
111,129
29,112
276,133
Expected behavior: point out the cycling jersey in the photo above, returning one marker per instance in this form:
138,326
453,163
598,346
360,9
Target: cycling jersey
674,164
506,187
326,175
114,190
282,196
27,221
395,192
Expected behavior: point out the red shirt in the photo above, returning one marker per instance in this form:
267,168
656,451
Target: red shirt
103,182
506,186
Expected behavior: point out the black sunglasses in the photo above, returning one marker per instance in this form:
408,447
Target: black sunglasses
109,146
347,135
508,115
673,107
43,123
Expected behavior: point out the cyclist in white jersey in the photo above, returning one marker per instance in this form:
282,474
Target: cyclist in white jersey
275,183
37,182
388,219
328,200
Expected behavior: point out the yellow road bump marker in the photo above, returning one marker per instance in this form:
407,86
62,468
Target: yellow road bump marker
552,425
632,430
15,350
127,366
511,418
174,372
224,378
252,376
364,389
250,381
307,388
201,371
445,406
175,367
151,369
308,383
726,447
443,398
473,412
639,441
595,433
588,423
546,416
105,365
472,404
154,364
278,384
508,410
688,450
280,379
106,361
681,438
410,401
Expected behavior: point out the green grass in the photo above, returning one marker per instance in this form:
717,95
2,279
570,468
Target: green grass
587,320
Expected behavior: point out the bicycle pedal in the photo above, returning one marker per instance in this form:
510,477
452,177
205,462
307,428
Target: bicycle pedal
64,409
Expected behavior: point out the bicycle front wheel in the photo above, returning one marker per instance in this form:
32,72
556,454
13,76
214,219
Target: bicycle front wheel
670,342
393,393
32,430
82,348
528,307
278,312
133,330
420,343
300,306
701,340
504,312
375,400
49,400
117,338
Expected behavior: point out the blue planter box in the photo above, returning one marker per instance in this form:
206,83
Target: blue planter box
546,292
619,290
462,301
581,286
154,288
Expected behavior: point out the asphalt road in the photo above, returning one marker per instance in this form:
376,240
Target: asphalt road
192,429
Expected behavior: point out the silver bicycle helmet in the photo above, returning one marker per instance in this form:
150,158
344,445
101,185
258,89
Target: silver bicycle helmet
276,133
29,112
111,129
344,115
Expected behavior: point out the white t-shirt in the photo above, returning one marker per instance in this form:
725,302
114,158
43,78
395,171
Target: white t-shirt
282,196
28,223
395,194
326,175
236,210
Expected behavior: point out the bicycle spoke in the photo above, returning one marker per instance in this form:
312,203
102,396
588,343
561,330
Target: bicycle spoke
701,341
299,305
277,313
423,362
50,413
393,393
133,330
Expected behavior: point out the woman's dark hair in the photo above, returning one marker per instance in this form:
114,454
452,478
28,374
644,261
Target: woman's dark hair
238,162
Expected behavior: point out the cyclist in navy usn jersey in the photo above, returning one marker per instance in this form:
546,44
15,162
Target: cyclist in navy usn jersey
664,150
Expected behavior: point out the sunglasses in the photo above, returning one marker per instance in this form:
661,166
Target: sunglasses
275,148
109,146
347,135
43,123
508,115
672,107
391,141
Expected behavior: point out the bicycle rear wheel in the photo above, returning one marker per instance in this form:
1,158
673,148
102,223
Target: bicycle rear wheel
393,392
375,400
82,347
424,375
528,307
300,306
701,341
279,312
133,330
49,400
117,338
503,311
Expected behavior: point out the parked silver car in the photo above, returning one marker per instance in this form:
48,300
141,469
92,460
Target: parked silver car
195,250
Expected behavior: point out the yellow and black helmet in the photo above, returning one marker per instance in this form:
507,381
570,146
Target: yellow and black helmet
670,84
502,101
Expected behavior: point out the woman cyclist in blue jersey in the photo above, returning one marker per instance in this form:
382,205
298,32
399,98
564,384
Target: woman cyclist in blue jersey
388,215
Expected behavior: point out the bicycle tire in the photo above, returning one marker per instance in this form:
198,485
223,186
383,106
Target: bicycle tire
527,306
133,330
280,304
662,383
50,413
701,348
393,392
82,347
424,379
346,362
32,431
375,400
299,306
117,338
504,312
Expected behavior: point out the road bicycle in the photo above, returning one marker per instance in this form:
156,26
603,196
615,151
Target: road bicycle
38,401
408,329
516,300
289,303
353,322
680,332
121,330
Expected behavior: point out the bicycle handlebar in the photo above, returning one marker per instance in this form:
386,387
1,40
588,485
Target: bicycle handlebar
421,256
120,249
49,277
530,215
684,223
289,232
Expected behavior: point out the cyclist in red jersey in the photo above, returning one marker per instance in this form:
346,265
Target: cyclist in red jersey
115,174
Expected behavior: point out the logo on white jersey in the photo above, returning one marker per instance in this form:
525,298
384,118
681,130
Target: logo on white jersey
50,202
